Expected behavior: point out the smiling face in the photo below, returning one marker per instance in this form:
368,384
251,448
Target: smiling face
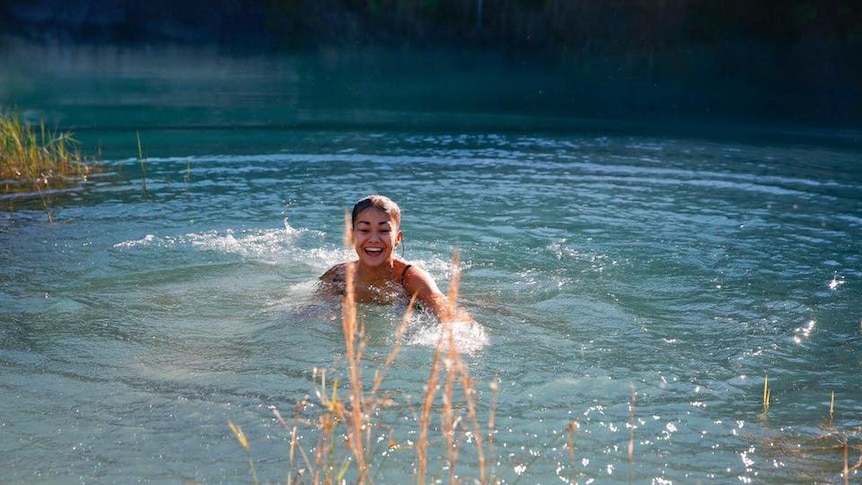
375,237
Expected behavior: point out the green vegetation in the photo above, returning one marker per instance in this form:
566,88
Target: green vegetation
35,163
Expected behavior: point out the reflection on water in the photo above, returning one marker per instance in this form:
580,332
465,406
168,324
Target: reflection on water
640,287
203,101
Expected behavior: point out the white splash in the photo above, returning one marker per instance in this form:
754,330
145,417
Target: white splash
469,337
835,283
268,245
144,241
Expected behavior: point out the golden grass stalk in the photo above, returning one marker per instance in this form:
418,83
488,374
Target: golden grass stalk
240,436
425,417
456,372
354,334
243,441
766,395
572,428
294,442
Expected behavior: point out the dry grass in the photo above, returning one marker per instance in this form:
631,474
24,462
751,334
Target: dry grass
831,440
344,449
343,428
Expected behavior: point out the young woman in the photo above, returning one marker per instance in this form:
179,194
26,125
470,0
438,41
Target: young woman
379,276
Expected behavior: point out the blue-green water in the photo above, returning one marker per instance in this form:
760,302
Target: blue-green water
601,258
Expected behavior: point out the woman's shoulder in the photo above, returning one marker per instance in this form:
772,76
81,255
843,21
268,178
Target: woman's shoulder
335,274
332,281
413,277
405,269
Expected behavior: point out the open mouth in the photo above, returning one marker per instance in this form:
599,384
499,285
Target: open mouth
374,251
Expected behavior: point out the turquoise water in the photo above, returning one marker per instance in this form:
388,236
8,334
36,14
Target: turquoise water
603,260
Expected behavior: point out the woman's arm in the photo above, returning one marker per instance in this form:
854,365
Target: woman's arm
418,282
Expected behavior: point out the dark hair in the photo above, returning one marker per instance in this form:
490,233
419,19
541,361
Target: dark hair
379,202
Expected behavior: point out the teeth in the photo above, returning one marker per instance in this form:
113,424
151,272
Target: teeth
373,250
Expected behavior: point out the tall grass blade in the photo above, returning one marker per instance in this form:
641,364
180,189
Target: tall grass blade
143,162
766,395
243,441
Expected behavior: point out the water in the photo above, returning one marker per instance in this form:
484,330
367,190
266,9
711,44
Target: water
621,276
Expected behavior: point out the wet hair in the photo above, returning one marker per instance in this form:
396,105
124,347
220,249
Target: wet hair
379,202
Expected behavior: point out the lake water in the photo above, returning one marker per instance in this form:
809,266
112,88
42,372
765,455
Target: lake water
638,279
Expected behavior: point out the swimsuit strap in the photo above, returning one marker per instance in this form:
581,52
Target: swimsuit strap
404,273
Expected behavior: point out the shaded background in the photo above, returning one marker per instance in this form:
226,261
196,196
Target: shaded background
792,61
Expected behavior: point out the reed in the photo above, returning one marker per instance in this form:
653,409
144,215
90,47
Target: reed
37,162
571,429
844,442
766,396
833,439
343,452
143,162
344,449
243,441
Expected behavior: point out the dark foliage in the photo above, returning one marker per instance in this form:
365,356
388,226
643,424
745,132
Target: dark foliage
778,58
550,25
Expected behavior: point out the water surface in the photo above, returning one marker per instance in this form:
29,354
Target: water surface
604,261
